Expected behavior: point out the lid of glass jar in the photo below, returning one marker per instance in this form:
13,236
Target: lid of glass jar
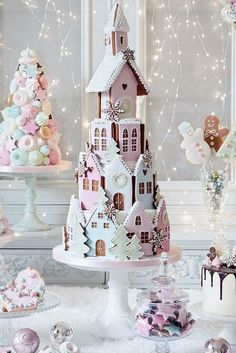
163,289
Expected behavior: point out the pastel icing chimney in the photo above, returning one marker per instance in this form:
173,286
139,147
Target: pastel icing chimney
116,29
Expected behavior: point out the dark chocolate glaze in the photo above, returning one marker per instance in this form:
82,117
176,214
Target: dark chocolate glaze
223,272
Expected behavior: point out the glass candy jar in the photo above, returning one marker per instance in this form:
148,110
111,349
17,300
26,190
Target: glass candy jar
161,313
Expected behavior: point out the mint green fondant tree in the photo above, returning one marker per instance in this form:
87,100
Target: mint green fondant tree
120,242
133,251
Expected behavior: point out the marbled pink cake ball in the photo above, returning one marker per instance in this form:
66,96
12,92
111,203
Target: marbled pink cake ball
26,341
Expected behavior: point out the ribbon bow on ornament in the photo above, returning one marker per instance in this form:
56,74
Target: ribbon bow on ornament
212,132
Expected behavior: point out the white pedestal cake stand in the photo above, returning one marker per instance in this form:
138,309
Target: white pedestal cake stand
114,322
51,301
228,331
30,221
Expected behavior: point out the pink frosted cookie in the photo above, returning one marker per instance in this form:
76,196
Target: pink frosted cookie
24,293
30,280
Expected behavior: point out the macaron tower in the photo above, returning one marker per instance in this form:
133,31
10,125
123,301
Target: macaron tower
29,133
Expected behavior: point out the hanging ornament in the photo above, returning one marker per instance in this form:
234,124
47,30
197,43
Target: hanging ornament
128,54
113,111
110,211
217,345
229,13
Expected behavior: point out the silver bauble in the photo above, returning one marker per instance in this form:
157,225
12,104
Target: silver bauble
217,345
59,333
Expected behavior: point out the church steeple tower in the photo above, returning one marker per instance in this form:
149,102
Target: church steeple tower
116,38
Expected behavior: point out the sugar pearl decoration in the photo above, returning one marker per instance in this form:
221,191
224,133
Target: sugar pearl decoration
59,333
26,341
217,345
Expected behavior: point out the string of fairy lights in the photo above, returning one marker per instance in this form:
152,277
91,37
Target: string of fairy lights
176,26
180,21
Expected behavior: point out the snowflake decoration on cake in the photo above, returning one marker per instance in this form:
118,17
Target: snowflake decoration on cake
158,239
128,54
230,261
89,148
113,111
110,211
147,159
82,170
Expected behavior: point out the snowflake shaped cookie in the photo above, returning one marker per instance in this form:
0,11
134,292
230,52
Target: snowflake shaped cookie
128,54
113,111
110,211
147,159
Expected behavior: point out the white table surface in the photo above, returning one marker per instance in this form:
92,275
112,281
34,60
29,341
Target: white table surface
80,308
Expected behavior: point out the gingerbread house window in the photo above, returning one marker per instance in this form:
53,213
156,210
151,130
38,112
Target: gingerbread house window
134,145
144,237
125,140
94,225
96,144
100,215
134,133
104,133
104,144
95,185
106,225
138,221
149,187
130,235
141,188
96,132
86,184
121,40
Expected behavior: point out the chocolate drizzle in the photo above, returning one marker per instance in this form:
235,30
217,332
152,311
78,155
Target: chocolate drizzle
223,272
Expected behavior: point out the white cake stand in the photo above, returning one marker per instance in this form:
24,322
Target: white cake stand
228,331
51,301
30,221
115,321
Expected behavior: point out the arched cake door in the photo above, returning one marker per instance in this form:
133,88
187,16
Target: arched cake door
100,248
118,201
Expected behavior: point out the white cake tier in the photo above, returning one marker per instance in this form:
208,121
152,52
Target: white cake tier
219,291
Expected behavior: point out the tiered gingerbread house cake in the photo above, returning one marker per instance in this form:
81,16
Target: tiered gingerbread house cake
119,212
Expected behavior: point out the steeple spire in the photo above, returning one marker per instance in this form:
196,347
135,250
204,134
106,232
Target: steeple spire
116,21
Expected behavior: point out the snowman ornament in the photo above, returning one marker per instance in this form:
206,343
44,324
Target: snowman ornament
197,151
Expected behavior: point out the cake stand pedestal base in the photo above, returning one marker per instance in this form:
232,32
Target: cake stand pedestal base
115,321
6,332
228,331
30,221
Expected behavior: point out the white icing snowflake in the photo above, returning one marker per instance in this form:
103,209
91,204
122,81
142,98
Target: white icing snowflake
110,210
158,239
89,148
128,54
82,169
147,159
113,111
230,261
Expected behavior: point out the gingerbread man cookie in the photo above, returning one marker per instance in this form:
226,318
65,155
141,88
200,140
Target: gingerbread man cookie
213,134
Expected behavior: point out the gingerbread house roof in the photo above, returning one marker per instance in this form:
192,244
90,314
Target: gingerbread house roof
137,210
116,21
92,156
159,209
109,70
117,163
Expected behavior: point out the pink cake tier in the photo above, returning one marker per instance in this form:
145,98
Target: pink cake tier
25,292
119,212
28,132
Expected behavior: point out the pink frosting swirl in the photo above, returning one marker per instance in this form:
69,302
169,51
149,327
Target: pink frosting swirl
54,157
4,157
20,98
29,111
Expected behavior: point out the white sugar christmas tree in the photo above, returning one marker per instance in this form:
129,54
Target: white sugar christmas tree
28,133
79,246
112,151
134,248
120,242
102,197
